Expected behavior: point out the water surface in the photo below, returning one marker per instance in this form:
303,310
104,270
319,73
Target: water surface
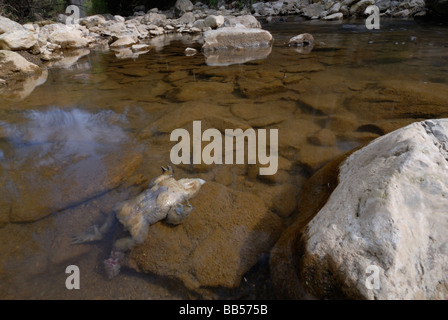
96,131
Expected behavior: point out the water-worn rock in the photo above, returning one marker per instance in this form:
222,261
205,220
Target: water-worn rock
301,40
92,153
7,25
154,18
220,241
20,87
60,34
359,7
12,64
235,38
94,21
387,213
236,56
17,40
186,18
183,6
334,16
213,21
123,42
438,7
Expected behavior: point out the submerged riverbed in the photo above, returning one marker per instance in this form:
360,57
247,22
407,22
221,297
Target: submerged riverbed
97,132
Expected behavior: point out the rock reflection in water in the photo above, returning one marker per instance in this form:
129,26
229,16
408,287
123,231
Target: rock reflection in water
70,60
229,57
56,158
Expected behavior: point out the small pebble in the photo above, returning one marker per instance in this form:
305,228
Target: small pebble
190,52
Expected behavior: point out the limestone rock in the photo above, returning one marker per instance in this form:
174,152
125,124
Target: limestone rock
247,21
222,239
190,52
335,8
399,99
301,40
186,18
94,21
359,7
439,7
7,25
235,38
387,213
154,18
313,10
68,38
17,40
20,87
213,21
117,30
12,63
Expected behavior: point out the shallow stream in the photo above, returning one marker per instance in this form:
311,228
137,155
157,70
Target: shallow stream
98,130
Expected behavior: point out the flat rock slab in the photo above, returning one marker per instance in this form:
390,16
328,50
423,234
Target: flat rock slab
388,213
222,239
235,38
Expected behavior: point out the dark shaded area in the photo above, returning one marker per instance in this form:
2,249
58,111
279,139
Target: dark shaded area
31,10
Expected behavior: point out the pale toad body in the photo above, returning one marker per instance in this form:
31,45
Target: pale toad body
166,199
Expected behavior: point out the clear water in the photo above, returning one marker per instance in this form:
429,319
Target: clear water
94,133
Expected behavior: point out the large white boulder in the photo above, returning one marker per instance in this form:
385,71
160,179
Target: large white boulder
183,6
66,37
383,233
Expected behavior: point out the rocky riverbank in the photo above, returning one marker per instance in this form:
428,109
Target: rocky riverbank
381,234
127,36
